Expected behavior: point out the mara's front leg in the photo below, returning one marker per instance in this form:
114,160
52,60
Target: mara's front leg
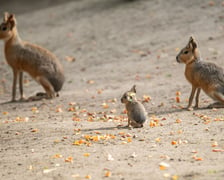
129,122
22,98
15,74
191,97
197,98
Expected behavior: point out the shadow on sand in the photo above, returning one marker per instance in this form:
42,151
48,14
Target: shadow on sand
170,111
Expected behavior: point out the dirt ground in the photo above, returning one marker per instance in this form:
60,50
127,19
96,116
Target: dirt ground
106,46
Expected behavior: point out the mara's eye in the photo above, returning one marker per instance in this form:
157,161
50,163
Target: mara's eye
185,52
3,28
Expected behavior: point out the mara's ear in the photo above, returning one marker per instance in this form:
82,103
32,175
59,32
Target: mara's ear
5,17
133,89
11,20
192,43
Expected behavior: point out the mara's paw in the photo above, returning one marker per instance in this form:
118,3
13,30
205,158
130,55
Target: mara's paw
189,108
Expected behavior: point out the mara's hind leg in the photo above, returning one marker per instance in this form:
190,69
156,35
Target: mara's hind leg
136,125
47,87
220,101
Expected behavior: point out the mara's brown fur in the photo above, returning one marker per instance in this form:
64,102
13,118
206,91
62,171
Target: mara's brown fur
202,75
136,111
22,56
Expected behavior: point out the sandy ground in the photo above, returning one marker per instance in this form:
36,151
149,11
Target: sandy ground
114,44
